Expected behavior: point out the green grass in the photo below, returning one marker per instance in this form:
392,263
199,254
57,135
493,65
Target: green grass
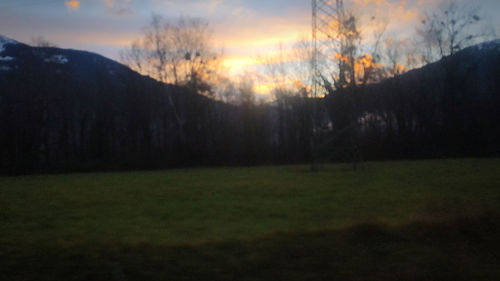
389,221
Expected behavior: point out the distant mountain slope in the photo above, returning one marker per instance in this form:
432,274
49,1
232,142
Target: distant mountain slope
66,109
447,108
80,65
476,65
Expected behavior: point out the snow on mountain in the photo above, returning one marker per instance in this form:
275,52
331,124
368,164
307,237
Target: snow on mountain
495,44
5,41
59,59
7,58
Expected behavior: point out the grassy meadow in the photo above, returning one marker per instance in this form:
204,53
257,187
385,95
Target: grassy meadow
407,220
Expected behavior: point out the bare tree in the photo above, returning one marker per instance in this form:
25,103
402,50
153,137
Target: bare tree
304,65
289,70
226,91
450,29
246,91
177,52
40,41
394,53
346,41
134,57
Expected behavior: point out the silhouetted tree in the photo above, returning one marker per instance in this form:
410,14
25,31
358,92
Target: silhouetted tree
451,28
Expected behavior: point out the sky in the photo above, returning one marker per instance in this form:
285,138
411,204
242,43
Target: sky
245,29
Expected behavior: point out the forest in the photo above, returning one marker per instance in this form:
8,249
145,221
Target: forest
166,105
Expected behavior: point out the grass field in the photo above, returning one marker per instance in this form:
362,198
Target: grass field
421,220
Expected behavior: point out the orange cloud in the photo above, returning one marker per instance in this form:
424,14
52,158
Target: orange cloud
367,2
266,33
73,4
264,88
237,65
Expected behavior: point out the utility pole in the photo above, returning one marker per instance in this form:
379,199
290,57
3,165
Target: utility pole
324,13
328,18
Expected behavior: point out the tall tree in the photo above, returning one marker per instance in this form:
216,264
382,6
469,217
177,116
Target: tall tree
175,52
451,28
178,52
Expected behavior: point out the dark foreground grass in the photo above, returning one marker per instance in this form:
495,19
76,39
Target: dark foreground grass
457,249
425,220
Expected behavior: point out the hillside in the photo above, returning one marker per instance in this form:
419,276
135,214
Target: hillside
68,110
74,110
445,109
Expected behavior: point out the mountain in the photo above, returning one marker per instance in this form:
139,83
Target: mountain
64,110
17,57
449,108
68,110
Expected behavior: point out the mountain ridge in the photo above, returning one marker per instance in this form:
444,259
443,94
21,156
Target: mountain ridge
66,110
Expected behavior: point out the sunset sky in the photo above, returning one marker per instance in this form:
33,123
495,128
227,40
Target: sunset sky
244,28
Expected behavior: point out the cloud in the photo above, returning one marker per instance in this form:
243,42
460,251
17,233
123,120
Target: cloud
202,8
73,4
252,30
213,5
393,16
239,64
119,7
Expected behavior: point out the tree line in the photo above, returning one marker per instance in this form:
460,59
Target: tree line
95,114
